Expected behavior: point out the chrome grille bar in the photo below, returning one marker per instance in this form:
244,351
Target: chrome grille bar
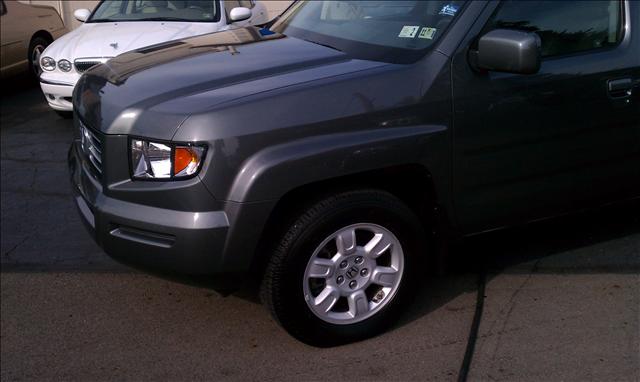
92,148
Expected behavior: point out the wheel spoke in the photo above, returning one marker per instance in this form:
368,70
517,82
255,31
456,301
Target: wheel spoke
35,59
326,299
384,276
378,245
346,241
358,303
321,268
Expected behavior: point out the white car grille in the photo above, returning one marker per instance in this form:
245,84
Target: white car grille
82,65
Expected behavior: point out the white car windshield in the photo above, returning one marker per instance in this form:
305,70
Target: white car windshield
156,10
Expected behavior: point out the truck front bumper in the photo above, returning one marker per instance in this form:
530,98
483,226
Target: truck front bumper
166,241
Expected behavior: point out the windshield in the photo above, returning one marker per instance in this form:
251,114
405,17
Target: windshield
392,31
156,10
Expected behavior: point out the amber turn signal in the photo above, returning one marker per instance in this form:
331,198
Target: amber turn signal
186,160
182,158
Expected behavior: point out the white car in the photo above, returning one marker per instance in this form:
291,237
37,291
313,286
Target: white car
118,26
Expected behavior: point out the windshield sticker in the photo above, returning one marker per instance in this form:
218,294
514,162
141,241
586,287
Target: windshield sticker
427,33
266,32
409,31
449,10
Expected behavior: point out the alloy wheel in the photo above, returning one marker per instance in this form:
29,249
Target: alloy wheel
36,53
353,273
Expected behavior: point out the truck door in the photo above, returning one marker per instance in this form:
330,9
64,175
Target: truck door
531,146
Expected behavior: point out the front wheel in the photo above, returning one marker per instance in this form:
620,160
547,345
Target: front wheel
36,47
345,268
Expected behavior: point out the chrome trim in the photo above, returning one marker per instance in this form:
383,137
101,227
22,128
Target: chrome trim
91,147
54,83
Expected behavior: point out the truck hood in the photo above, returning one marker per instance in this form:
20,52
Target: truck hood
98,40
151,91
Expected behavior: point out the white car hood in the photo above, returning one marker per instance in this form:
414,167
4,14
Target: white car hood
112,39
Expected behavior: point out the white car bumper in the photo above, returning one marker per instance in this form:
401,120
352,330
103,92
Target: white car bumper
58,94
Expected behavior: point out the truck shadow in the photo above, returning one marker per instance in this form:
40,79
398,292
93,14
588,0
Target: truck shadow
590,242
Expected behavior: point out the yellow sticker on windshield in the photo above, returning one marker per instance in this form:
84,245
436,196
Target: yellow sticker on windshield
427,33
409,31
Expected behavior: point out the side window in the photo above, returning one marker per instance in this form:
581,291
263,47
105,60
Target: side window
564,27
113,9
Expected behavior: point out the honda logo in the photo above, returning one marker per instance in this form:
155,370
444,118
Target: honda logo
352,272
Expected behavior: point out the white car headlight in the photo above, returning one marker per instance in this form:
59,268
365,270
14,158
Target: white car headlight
64,65
165,161
47,63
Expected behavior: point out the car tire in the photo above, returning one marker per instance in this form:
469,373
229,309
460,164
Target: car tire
37,45
290,289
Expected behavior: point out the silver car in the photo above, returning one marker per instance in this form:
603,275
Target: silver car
26,31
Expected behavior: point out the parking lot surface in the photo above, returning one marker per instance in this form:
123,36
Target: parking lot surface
561,301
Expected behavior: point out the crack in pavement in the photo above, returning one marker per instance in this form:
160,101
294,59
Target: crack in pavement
511,305
8,253
33,179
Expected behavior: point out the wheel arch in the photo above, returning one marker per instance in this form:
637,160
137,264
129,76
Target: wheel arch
42,33
409,162
412,183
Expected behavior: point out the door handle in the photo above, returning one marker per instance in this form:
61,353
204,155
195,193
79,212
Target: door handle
620,88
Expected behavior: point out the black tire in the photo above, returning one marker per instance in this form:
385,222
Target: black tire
64,114
40,43
281,289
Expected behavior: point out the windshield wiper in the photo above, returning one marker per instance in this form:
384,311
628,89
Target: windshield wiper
102,20
164,19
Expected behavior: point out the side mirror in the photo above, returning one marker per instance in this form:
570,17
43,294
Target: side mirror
82,14
239,14
511,51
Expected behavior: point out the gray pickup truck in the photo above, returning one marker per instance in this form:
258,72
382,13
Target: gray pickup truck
327,153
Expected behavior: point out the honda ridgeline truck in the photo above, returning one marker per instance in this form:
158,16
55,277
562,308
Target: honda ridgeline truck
321,152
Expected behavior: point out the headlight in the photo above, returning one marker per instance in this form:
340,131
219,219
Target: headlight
47,63
64,65
155,160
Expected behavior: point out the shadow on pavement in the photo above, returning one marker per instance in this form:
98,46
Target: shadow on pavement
16,85
572,244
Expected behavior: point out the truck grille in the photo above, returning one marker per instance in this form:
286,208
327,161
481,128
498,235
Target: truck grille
92,148
83,66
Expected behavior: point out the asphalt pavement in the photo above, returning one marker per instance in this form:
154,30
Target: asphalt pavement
561,298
